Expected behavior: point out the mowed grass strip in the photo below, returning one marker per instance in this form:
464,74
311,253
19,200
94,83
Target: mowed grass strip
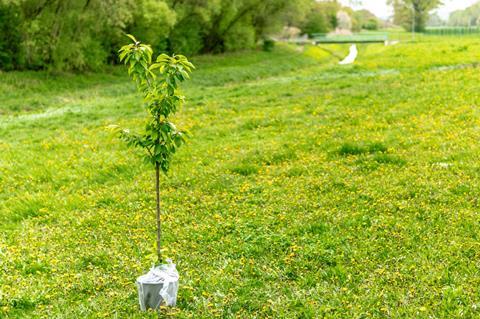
308,190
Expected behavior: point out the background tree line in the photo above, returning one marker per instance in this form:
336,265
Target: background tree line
322,18
466,18
86,34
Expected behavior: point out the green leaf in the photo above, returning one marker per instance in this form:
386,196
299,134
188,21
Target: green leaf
132,38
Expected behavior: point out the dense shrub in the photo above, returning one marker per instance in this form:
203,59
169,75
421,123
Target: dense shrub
268,45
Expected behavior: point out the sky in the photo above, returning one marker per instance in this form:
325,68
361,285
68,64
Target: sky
382,10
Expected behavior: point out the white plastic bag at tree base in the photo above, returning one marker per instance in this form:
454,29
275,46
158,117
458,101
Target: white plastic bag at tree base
158,287
352,56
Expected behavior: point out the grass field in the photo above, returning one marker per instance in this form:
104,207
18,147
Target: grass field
308,190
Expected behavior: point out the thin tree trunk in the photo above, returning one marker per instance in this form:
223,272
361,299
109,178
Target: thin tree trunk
159,223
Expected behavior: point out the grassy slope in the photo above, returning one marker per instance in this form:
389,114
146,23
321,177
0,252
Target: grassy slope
308,190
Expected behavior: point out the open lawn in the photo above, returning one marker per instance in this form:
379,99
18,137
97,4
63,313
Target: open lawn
308,190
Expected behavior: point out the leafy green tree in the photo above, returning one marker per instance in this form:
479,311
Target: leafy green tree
296,14
71,35
322,18
371,24
316,22
413,14
468,17
274,15
158,81
365,19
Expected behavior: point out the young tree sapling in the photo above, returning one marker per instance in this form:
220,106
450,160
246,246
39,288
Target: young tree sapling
158,81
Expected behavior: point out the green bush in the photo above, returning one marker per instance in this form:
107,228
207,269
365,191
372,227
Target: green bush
371,24
268,45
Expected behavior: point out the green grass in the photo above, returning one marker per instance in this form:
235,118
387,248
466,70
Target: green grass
308,189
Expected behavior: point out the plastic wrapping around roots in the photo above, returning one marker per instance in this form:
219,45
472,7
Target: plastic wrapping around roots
159,287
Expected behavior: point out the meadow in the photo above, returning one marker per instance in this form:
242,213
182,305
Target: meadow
307,189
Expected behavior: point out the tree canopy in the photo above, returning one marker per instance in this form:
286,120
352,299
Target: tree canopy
413,14
364,19
322,17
